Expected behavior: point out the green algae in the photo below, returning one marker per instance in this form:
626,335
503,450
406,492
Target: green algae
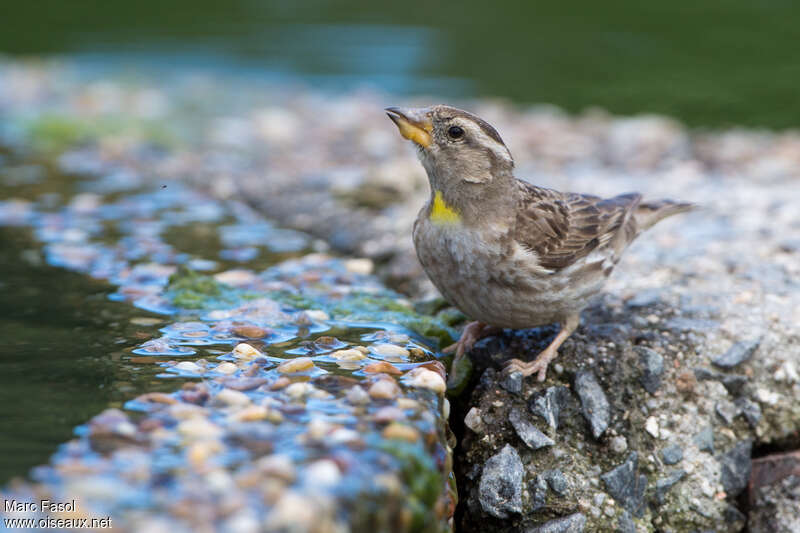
417,469
459,377
292,299
388,307
55,133
191,290
451,316
384,306
188,289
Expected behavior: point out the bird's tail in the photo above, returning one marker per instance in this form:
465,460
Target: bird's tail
649,213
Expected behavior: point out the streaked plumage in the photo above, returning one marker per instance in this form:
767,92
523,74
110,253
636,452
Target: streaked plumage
507,253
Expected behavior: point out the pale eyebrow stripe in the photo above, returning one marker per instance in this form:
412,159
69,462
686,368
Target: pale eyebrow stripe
498,147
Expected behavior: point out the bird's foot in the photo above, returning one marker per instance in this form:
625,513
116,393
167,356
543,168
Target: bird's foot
473,332
538,366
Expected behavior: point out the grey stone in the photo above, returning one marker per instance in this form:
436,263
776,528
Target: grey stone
685,325
776,508
645,298
727,410
626,485
512,382
735,467
529,433
500,486
705,439
672,454
625,524
750,409
664,484
549,404
732,515
737,354
538,492
574,523
557,481
733,383
594,404
652,368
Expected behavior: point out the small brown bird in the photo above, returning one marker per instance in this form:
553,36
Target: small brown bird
505,252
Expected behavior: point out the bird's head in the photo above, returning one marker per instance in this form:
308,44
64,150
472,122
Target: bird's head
456,148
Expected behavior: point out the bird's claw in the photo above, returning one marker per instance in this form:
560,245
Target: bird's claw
538,366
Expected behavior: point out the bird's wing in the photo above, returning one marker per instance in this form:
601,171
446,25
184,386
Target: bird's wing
561,228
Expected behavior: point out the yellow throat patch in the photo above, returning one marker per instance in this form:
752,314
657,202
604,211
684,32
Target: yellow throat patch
441,213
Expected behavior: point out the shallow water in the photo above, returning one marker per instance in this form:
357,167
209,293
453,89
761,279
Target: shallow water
70,340
106,304
65,350
49,383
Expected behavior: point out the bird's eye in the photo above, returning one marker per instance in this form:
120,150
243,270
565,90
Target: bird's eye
455,132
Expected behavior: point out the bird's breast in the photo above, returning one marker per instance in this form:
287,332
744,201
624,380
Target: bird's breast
491,278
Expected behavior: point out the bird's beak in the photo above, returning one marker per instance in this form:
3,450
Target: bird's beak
414,124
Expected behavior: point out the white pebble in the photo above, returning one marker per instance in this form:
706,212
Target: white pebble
189,366
297,391
277,465
619,444
298,364
357,396
317,315
231,398
245,351
344,436
226,367
787,372
651,426
767,397
323,473
348,355
473,420
426,379
199,429
359,266
219,481
384,389
390,351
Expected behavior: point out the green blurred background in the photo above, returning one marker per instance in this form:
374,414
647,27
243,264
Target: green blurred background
710,62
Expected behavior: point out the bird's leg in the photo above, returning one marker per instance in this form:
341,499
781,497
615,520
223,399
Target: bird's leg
539,365
473,332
